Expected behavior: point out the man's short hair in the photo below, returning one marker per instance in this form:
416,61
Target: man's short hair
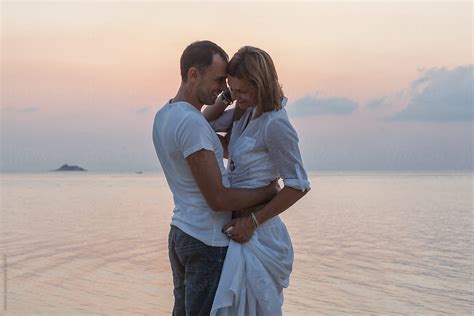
199,54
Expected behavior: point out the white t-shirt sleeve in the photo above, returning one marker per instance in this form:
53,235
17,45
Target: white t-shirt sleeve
223,122
282,143
193,134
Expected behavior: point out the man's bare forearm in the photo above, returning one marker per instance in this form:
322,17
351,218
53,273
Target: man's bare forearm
238,199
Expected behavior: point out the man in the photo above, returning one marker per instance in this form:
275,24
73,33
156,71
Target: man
191,156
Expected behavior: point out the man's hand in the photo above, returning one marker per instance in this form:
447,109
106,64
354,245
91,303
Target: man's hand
242,229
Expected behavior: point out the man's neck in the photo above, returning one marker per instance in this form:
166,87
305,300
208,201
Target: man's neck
184,94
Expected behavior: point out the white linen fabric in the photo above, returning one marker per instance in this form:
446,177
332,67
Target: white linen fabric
180,130
255,273
223,122
263,150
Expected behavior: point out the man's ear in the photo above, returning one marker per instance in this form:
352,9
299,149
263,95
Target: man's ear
193,74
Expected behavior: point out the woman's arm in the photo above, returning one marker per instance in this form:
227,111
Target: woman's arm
212,112
243,227
282,144
281,202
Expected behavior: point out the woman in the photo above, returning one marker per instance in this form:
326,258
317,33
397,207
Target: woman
263,146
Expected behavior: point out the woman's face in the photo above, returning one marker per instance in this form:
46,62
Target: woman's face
243,92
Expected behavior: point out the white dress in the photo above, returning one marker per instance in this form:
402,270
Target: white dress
255,273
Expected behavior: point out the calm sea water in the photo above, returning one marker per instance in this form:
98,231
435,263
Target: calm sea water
374,243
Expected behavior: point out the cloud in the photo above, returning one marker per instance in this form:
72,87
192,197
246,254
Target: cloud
376,103
440,95
315,105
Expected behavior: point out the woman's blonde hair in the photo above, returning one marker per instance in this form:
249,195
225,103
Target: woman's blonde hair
257,67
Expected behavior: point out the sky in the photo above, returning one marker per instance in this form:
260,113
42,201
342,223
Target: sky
371,85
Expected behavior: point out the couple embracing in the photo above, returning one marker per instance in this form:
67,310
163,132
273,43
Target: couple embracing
230,253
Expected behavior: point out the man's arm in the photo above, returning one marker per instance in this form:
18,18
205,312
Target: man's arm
208,177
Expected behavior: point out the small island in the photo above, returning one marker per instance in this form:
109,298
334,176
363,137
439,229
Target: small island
67,167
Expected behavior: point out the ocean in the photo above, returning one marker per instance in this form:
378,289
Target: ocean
365,243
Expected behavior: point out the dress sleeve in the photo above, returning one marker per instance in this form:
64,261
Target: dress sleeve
223,122
282,142
193,134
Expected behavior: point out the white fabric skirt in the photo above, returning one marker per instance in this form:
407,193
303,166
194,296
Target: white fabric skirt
255,273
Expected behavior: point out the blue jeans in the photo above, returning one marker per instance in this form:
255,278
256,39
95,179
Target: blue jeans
196,272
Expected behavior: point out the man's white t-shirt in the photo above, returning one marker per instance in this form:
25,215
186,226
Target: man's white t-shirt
180,130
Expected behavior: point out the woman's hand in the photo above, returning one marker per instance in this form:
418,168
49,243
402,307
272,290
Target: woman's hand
242,229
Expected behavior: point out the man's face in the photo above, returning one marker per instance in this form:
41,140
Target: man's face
213,81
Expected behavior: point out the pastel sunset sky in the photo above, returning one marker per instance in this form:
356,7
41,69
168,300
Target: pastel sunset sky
371,85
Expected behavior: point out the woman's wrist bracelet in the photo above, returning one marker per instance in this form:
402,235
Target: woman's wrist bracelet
254,220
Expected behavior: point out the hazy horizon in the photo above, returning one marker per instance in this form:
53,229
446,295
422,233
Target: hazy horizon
309,171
